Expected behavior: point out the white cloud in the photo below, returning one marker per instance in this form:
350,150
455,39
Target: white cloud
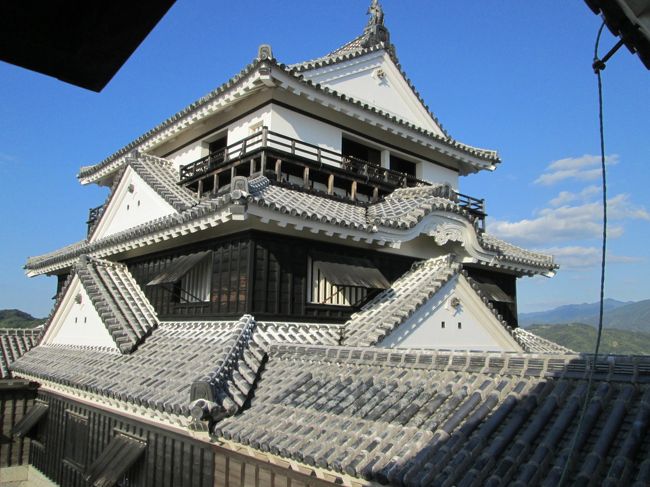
585,168
577,257
565,197
567,223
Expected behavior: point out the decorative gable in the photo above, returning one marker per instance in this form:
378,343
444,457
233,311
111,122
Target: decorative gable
76,321
132,203
101,306
374,78
454,318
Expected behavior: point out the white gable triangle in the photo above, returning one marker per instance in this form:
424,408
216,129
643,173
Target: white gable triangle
76,322
134,202
455,318
374,78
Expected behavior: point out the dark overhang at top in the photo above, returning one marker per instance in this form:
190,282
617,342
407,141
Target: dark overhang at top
80,42
628,19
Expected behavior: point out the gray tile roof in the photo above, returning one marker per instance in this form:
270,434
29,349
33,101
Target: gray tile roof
115,161
402,210
14,343
178,363
112,163
117,297
420,419
383,314
162,371
305,333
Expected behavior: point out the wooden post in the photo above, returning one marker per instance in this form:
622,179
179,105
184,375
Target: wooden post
263,162
265,136
375,193
330,184
293,146
215,182
278,169
251,169
305,178
233,173
318,156
353,190
200,192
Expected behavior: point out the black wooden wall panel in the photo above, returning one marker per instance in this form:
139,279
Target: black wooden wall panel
13,405
170,459
258,273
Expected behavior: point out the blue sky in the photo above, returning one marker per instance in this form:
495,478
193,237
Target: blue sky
509,75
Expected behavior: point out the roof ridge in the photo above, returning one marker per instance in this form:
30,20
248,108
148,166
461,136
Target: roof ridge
607,368
88,171
225,390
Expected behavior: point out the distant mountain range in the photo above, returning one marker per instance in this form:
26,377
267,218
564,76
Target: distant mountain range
619,315
14,318
582,338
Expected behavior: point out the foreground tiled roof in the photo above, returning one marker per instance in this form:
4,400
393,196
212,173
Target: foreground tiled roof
179,361
421,419
401,211
14,343
389,309
536,344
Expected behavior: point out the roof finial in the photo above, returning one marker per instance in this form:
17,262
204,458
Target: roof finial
376,14
375,32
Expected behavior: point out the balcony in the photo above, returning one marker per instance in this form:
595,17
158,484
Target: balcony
306,167
94,215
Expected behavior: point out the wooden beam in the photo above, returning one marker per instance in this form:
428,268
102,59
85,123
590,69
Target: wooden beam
278,169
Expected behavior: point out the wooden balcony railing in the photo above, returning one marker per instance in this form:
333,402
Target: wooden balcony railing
265,145
93,217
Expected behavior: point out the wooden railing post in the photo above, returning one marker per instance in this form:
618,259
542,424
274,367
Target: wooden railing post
305,177
330,184
353,190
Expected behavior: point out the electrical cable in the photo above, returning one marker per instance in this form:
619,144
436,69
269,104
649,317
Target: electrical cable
598,66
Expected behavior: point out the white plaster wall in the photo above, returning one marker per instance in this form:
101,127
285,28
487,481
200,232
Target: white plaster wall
359,79
433,173
127,210
298,126
188,154
479,330
242,128
78,323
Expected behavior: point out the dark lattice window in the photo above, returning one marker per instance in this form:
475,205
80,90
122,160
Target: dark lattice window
76,439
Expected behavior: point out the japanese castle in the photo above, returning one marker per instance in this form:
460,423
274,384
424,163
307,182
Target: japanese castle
287,287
